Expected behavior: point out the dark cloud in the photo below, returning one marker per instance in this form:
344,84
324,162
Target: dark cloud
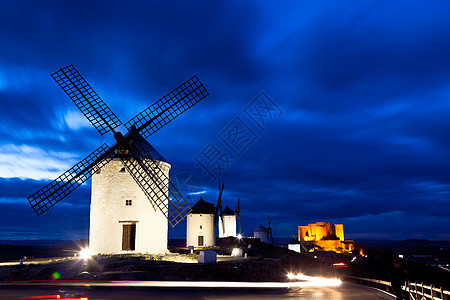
362,139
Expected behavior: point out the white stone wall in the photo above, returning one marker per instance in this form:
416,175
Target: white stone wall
294,247
262,235
230,226
110,190
200,225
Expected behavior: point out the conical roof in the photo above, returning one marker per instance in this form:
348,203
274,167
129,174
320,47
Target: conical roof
261,229
228,211
294,241
202,207
139,140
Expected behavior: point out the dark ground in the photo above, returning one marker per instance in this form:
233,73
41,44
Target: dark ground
17,250
267,263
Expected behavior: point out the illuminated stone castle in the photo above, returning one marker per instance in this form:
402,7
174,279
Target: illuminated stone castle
325,236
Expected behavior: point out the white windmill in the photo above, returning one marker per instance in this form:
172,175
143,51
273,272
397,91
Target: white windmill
264,233
132,196
200,225
227,223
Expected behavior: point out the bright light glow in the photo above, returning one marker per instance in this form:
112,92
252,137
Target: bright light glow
236,252
239,236
314,281
339,264
85,253
43,297
307,281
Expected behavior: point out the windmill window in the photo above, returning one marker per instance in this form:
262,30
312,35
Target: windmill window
128,202
200,226
122,170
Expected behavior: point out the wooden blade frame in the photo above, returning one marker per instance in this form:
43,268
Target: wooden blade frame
153,181
168,108
238,212
67,182
86,99
219,207
145,171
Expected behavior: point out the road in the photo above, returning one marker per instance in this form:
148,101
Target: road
344,291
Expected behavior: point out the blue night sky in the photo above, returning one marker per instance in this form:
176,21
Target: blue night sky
318,110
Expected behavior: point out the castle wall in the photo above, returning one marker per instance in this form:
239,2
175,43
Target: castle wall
302,230
329,245
318,231
321,230
339,230
312,232
111,189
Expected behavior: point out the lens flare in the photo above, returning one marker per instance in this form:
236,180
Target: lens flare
56,275
85,253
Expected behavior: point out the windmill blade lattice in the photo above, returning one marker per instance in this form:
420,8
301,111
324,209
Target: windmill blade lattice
168,108
238,212
153,182
86,99
67,182
219,207
145,171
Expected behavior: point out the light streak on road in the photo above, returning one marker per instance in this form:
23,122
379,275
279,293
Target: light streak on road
308,281
318,281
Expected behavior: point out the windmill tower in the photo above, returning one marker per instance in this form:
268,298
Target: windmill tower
200,225
261,233
227,224
131,227
226,219
121,215
264,233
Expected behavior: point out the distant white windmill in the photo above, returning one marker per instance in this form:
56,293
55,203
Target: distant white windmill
227,223
200,223
264,233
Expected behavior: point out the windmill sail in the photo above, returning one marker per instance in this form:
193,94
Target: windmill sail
86,99
269,233
238,213
67,182
144,168
219,213
168,108
148,174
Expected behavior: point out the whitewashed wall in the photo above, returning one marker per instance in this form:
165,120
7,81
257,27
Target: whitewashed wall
110,189
230,226
193,230
262,235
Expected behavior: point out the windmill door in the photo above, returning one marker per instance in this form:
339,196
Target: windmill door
129,237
